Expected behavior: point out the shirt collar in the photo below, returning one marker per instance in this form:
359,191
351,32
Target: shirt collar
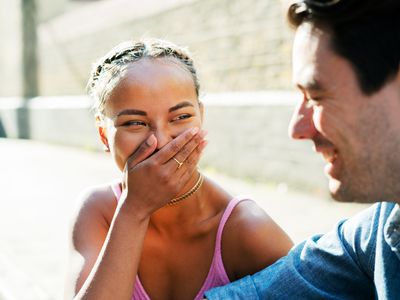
392,229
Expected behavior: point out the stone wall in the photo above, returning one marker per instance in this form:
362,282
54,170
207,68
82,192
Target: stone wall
10,48
238,45
11,41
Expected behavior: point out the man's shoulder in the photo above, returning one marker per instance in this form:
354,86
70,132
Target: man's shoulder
355,238
361,233
370,219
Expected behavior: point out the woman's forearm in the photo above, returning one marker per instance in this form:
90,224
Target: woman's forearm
113,275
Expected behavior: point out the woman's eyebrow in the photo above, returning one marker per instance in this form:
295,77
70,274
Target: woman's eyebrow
130,112
180,105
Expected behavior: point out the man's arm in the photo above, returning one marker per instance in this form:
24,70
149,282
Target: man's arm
337,265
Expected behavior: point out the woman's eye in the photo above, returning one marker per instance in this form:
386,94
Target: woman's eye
182,117
134,123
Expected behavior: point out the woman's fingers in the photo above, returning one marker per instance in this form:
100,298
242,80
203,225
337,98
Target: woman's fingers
185,152
178,145
144,151
190,163
185,173
180,148
184,163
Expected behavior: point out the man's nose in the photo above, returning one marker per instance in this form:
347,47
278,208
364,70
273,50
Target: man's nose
302,125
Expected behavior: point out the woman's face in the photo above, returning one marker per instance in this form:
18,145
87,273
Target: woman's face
155,96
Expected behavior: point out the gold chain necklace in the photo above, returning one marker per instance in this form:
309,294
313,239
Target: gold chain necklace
189,193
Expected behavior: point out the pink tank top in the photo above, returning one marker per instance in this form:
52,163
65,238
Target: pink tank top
216,275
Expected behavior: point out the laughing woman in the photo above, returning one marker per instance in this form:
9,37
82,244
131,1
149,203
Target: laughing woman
163,230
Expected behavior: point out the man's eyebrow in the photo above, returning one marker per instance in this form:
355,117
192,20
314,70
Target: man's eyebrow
312,85
180,105
130,112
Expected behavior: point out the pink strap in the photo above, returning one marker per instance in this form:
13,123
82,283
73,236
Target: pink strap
217,275
228,211
139,293
116,188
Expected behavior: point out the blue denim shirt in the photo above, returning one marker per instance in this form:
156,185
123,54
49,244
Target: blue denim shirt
359,259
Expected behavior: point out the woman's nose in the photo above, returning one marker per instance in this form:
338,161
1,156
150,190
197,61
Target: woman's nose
164,136
302,125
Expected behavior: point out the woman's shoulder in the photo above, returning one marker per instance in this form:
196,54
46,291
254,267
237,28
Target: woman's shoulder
253,238
94,203
97,196
247,218
251,224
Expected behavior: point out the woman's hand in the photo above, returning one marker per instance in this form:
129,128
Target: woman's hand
152,180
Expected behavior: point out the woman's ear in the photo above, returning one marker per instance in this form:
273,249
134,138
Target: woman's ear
201,106
100,124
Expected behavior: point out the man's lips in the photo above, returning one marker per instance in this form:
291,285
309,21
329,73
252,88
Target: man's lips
329,155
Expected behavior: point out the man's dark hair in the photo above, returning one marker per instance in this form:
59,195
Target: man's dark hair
365,32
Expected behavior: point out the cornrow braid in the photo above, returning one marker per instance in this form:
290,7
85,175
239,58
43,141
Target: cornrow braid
107,71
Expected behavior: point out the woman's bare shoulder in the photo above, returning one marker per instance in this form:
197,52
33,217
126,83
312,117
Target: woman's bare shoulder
94,210
254,239
247,219
98,196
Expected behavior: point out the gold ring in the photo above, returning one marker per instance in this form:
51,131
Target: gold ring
178,162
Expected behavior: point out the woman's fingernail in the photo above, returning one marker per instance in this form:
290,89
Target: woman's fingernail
203,145
194,130
203,133
151,140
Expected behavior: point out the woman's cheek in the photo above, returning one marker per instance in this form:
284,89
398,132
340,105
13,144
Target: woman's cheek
177,128
124,144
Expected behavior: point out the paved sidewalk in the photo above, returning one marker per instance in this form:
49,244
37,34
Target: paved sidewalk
38,185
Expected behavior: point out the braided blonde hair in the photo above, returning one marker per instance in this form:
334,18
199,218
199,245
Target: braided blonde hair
107,71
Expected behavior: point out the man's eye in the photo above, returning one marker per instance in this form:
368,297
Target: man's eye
311,102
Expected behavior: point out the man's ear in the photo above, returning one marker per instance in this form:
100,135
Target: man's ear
102,130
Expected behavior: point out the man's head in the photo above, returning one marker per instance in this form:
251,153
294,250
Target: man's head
346,58
365,32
